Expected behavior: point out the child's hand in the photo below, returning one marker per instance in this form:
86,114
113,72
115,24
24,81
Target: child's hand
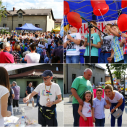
123,41
69,37
94,120
85,118
109,59
107,106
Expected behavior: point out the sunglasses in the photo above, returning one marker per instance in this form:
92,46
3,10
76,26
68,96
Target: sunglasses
71,26
46,78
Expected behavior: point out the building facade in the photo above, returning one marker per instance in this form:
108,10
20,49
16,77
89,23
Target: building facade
71,71
42,18
33,74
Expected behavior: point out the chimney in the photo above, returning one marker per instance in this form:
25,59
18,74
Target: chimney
13,8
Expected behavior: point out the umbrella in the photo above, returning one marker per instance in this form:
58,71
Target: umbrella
108,82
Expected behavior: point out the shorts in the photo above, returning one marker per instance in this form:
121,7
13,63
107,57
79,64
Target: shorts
32,99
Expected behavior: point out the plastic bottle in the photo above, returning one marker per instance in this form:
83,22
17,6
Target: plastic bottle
22,122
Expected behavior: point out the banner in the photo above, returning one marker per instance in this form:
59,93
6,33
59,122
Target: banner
85,30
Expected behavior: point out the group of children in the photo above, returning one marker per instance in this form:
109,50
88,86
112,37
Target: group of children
93,109
113,45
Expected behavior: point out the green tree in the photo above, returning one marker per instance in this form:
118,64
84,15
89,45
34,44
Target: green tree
119,70
3,12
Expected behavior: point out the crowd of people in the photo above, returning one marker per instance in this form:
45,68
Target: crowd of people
31,47
111,48
88,109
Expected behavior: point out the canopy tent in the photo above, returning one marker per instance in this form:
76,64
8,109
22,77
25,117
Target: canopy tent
57,29
28,26
84,8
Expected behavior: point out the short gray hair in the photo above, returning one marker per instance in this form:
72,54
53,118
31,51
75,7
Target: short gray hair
87,70
6,44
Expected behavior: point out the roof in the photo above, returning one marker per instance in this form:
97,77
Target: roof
58,21
35,73
32,12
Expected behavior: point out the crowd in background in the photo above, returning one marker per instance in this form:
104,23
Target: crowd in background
31,47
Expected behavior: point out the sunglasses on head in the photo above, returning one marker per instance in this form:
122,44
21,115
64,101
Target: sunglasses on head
71,26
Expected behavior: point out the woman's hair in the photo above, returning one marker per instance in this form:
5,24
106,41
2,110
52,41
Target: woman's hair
17,47
91,101
109,87
4,78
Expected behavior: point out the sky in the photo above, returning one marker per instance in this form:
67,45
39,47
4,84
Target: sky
56,5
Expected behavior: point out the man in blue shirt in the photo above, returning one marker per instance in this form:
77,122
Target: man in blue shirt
28,91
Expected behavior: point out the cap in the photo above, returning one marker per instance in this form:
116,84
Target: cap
47,73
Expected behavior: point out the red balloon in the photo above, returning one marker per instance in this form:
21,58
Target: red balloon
100,9
66,8
122,22
74,19
123,3
95,2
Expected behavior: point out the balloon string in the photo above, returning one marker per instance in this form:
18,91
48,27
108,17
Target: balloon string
102,17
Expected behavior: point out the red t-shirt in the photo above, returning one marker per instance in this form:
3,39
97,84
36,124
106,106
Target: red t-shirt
6,57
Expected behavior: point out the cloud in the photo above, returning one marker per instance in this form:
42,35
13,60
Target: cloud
56,5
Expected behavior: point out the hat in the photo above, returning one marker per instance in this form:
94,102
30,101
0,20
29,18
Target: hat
47,73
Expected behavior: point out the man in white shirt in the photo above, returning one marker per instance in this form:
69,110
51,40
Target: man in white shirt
32,57
47,103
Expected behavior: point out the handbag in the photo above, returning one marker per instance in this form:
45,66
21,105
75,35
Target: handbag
118,113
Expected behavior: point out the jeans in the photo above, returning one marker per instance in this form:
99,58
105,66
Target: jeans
119,120
10,108
99,122
38,97
125,58
103,57
72,59
76,115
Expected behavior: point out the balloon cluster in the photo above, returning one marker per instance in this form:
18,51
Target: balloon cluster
99,7
122,20
72,17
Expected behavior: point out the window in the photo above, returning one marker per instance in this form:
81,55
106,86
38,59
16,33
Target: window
37,25
4,25
101,79
73,77
19,25
20,15
94,80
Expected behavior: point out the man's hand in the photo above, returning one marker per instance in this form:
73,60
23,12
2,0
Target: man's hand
80,101
49,104
68,42
25,100
109,59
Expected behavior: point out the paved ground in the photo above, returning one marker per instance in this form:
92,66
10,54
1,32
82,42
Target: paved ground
68,116
32,113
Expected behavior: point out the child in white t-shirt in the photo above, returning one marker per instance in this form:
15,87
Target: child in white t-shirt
85,110
71,43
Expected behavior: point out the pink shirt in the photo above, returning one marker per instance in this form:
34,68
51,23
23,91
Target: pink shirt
6,57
